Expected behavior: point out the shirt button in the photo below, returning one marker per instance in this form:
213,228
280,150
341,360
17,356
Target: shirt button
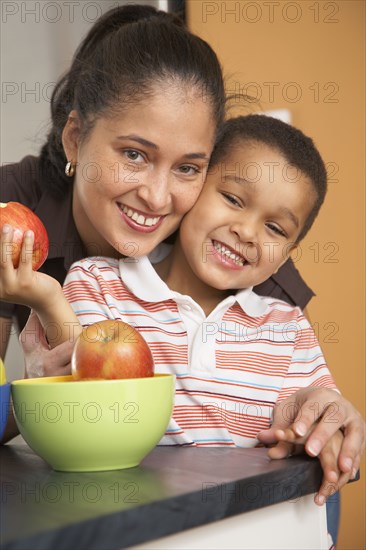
186,307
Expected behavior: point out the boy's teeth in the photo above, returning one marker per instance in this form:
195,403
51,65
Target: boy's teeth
226,252
139,218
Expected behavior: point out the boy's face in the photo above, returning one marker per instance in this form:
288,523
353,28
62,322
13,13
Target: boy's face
249,214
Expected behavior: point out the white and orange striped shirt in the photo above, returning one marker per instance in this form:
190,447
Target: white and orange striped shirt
231,367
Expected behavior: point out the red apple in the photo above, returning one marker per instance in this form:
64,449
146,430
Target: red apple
21,219
111,349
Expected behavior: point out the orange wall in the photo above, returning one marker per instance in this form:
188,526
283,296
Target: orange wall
308,57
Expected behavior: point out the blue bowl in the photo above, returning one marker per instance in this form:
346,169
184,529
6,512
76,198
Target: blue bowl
4,406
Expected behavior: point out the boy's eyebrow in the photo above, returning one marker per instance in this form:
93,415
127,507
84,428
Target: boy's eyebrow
151,145
289,214
236,179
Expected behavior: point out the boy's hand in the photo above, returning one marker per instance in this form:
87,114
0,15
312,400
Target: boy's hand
333,479
23,285
316,414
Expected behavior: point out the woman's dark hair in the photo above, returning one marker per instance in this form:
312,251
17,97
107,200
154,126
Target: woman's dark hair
127,52
298,149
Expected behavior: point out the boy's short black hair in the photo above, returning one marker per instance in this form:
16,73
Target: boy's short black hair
299,150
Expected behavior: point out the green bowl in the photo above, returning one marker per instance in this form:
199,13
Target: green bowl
96,425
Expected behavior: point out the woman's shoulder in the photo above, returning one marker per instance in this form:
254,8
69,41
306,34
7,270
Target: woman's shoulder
20,181
25,168
287,285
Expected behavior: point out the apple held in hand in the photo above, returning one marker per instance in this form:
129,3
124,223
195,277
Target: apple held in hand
22,219
109,350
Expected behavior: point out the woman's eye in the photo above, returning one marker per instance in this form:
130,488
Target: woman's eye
133,155
189,170
276,229
231,199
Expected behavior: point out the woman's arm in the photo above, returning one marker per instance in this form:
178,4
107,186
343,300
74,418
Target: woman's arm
81,287
5,330
37,290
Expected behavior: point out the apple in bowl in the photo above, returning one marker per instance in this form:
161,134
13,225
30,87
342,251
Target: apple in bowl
21,219
111,350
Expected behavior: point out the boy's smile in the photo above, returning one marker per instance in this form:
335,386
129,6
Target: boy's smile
245,223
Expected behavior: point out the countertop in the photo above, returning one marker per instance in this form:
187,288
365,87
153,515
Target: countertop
174,488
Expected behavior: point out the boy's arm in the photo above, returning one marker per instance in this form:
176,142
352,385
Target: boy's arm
37,290
309,409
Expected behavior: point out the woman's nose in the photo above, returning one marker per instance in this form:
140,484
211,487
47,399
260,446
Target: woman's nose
156,192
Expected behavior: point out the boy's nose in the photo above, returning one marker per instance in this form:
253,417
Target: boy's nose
245,231
155,193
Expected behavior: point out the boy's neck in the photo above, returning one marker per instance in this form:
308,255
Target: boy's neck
175,271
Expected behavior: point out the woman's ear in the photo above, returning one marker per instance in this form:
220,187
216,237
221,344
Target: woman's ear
71,137
289,250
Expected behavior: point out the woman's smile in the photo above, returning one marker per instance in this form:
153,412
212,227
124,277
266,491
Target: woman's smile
140,221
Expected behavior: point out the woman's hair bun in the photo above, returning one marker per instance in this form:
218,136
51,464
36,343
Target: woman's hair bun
132,13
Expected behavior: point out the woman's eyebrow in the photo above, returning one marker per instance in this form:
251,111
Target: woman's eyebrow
151,145
203,156
141,140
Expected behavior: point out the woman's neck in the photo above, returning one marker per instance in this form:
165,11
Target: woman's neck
176,272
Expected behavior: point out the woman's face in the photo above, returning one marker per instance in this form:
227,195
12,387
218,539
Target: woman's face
139,172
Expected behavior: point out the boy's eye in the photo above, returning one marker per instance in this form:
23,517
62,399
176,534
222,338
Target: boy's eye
231,199
276,229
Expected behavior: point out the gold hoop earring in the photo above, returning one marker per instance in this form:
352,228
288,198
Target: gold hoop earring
70,169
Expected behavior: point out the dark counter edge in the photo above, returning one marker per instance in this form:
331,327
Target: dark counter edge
173,515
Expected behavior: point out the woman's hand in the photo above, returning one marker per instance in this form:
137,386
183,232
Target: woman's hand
316,414
40,359
23,285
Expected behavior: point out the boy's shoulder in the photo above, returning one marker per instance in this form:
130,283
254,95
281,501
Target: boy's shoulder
276,306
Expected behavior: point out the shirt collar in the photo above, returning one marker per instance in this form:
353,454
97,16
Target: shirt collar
140,277
251,303
143,281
